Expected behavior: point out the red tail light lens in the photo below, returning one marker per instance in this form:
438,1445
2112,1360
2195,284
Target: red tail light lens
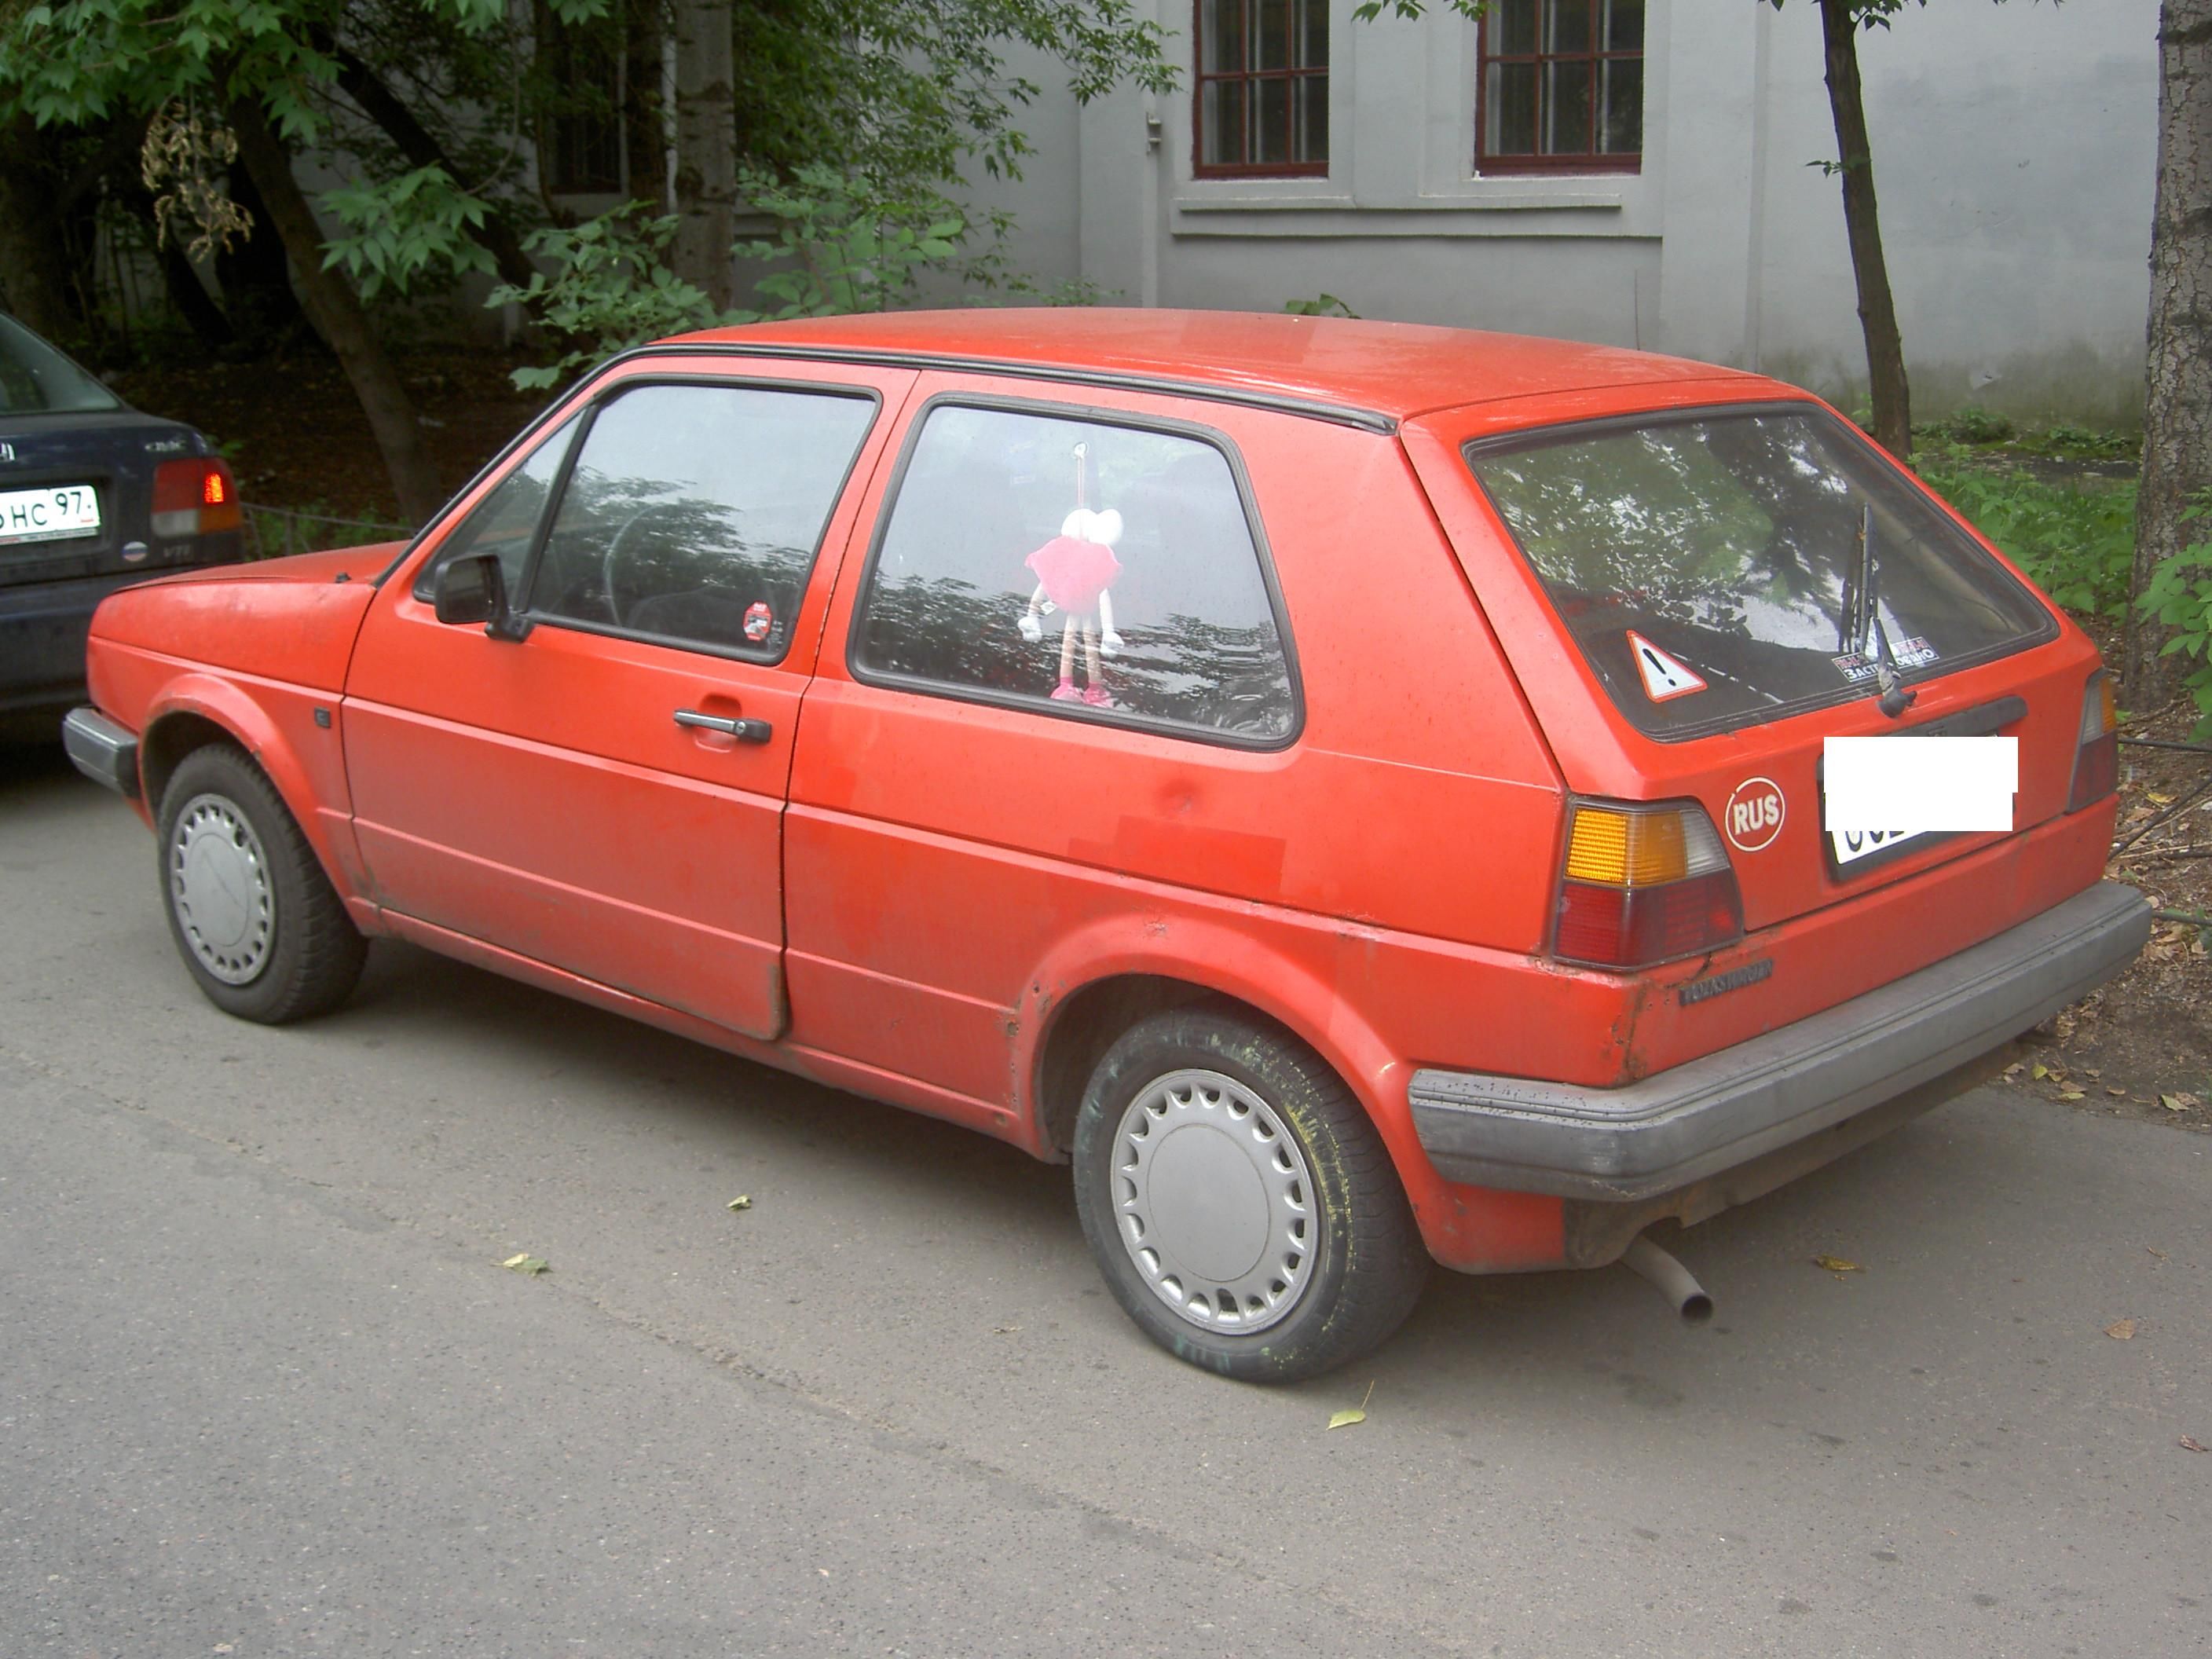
197,496
2097,761
1643,884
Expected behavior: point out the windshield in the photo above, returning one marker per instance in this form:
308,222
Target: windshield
37,380
1707,563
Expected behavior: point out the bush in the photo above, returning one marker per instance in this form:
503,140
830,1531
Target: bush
2077,541
2180,595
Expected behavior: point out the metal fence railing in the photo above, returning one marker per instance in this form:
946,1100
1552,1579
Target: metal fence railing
273,531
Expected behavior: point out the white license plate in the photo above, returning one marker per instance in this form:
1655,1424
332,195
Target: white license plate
48,514
1852,845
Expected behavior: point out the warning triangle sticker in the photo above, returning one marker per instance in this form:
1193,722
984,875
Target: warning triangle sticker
1664,676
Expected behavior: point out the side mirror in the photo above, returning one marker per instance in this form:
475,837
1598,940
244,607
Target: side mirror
474,590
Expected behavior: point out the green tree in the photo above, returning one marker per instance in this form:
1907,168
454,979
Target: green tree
432,106
2177,464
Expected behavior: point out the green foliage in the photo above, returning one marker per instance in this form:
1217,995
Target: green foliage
2179,594
1321,305
838,246
2065,439
2076,540
416,226
841,246
611,288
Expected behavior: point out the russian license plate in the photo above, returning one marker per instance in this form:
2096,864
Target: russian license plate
48,514
1852,845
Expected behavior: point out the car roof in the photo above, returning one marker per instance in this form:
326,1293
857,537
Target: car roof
1395,370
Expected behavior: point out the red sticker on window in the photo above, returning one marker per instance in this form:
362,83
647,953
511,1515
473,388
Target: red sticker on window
758,620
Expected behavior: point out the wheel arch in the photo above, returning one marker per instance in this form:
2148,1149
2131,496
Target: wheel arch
196,710
1103,979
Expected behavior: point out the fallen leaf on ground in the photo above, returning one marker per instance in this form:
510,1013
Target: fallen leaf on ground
2121,1330
742,1201
2155,1251
2163,800
1836,1264
528,1263
1004,1330
2173,1102
2189,1442
2071,1094
2012,1072
2117,1094
2040,1071
1344,1419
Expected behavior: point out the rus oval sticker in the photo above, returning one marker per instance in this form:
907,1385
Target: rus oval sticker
1753,815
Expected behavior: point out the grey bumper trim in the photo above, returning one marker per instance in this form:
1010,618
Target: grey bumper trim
1724,1109
104,752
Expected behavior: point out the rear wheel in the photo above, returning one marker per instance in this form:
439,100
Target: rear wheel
255,919
1238,1200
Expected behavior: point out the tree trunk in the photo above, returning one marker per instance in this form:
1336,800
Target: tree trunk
2177,464
1892,398
336,314
706,149
34,274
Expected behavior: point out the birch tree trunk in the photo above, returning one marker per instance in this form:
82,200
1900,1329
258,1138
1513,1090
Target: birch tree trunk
705,147
2177,463
1891,397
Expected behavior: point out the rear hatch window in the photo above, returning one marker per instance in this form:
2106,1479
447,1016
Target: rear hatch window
1713,566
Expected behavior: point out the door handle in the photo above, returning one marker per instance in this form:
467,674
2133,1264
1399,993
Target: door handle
744,731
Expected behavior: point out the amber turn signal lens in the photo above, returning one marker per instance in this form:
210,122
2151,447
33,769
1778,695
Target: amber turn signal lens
1643,884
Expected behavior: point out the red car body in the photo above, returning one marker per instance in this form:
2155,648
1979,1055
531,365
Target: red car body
956,905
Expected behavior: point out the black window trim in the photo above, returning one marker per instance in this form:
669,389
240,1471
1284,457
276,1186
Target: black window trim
588,416
1564,432
1084,713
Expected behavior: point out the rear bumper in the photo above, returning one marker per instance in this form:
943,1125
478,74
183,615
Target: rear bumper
1743,1102
104,752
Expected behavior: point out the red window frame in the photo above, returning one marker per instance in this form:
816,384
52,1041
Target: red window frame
1246,79
1589,159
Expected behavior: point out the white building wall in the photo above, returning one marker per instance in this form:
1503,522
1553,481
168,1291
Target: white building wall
2015,154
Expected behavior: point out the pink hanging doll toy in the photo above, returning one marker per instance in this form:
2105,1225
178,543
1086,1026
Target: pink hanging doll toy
1073,571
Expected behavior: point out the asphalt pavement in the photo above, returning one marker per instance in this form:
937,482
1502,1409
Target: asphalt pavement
266,1388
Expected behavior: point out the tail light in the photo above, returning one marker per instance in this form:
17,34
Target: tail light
194,497
2097,761
1643,884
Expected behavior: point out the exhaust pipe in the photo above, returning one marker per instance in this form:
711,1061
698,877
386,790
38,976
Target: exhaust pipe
1670,1277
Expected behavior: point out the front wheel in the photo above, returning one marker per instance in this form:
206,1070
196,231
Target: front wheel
251,912
1239,1203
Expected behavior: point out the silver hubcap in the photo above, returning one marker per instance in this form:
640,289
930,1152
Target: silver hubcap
219,882
1214,1202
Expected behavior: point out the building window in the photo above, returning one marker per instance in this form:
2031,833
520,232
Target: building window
1562,87
1263,99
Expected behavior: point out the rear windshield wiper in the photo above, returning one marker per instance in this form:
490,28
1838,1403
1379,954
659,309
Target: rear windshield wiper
1868,634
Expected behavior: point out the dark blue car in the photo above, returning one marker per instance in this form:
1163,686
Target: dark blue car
93,494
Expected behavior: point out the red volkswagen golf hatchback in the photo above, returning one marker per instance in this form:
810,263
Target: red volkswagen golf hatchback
1355,791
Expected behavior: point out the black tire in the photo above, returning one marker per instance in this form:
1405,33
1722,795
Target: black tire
1367,1264
272,943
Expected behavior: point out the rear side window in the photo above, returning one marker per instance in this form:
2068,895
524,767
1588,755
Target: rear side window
1713,567
1089,567
37,380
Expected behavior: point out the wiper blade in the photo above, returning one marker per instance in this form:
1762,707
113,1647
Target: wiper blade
1870,636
